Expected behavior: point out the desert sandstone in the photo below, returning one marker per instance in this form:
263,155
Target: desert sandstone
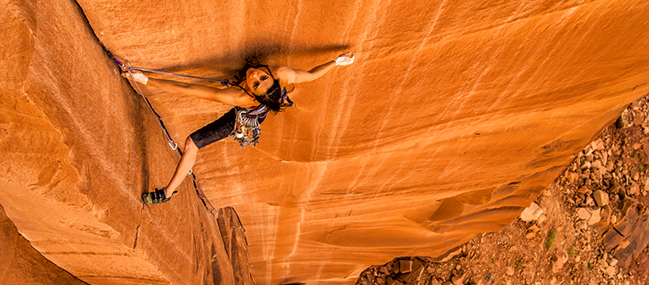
452,119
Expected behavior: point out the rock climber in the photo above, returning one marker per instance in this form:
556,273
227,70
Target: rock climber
260,91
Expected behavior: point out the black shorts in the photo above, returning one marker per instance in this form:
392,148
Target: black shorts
215,131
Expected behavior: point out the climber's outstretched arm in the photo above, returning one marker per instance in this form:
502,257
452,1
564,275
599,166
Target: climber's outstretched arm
227,95
299,76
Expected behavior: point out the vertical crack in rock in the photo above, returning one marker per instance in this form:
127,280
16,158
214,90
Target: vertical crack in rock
137,229
196,253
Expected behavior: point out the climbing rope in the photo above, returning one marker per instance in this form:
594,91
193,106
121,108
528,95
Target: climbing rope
174,146
127,67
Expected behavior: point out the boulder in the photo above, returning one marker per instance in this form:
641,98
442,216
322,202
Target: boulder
583,213
458,279
589,158
583,190
405,266
632,189
531,213
601,198
596,164
597,144
582,225
534,229
396,267
589,201
595,217
611,271
557,264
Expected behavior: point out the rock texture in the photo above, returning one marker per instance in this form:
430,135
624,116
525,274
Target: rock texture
22,264
451,121
564,248
78,149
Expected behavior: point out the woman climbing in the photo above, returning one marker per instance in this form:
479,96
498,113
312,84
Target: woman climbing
262,90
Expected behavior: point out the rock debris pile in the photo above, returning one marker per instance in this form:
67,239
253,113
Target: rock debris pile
590,226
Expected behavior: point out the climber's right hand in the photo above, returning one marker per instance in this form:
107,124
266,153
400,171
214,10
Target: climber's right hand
138,76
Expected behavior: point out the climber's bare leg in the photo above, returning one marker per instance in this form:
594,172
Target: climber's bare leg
186,163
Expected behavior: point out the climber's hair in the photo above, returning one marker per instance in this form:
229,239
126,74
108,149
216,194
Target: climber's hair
274,98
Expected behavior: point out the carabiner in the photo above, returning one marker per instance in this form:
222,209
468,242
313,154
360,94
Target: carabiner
173,145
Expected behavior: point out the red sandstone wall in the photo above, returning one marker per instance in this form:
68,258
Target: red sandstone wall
78,149
20,263
452,119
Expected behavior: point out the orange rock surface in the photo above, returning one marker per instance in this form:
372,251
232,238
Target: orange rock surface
78,149
451,120
22,264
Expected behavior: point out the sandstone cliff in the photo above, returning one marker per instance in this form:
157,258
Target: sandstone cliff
452,119
78,150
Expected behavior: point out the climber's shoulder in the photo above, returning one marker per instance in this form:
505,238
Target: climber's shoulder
285,74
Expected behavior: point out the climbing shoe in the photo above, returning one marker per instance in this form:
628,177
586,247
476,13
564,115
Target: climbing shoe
157,197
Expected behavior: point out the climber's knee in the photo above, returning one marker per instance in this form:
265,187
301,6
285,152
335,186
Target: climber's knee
190,146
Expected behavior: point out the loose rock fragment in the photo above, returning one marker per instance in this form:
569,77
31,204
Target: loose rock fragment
601,198
558,263
610,270
583,190
596,164
633,189
582,225
583,213
405,266
531,213
458,279
595,217
597,144
534,229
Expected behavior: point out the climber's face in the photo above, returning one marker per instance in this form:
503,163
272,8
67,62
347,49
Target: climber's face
258,81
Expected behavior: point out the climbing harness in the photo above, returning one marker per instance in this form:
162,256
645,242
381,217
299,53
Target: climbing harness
247,123
246,126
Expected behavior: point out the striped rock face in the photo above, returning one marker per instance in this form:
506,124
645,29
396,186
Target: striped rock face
451,120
